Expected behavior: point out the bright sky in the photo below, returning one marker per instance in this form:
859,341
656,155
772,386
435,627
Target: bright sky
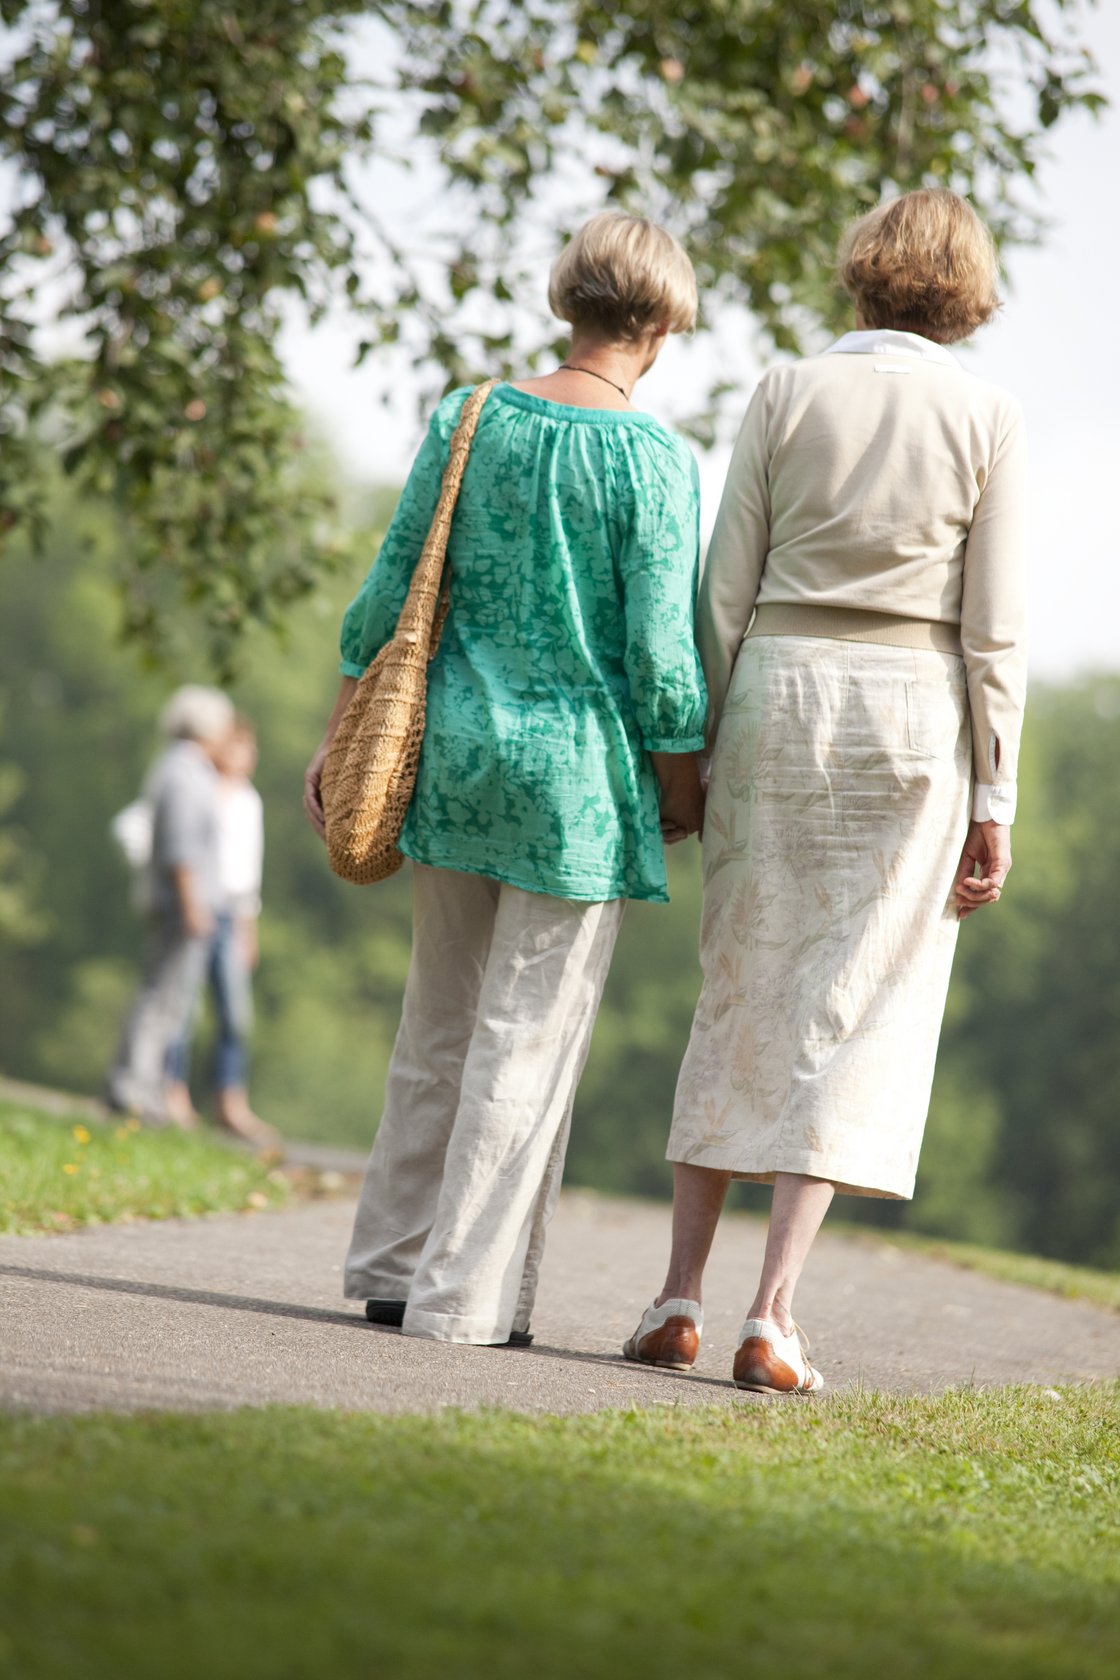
1055,347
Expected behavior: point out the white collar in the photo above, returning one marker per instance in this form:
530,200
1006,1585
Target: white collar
882,341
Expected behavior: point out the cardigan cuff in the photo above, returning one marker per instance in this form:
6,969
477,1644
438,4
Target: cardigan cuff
994,802
694,743
348,668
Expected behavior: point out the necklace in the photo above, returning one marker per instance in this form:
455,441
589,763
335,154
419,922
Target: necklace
595,375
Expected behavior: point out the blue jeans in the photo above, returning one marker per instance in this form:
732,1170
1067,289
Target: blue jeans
230,986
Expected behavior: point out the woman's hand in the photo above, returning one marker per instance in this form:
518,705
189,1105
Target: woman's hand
312,790
672,832
987,850
313,775
682,797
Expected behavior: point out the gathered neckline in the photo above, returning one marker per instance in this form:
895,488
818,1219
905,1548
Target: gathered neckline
567,411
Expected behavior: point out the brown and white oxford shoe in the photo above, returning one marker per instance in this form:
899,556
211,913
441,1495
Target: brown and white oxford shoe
668,1336
771,1362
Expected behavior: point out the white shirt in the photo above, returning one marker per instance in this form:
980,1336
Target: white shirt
240,845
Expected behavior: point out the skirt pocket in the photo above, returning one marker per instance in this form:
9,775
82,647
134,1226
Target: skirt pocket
937,708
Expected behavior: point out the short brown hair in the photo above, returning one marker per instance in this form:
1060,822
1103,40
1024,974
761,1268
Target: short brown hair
922,263
622,275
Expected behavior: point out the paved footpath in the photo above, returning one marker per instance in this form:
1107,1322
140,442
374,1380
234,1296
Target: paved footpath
245,1310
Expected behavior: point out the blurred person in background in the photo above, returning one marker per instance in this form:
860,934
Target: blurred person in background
234,949
862,628
181,895
565,711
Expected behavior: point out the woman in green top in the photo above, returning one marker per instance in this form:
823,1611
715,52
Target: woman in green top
565,709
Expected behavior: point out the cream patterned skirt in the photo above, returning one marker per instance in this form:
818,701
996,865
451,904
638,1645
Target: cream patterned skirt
836,814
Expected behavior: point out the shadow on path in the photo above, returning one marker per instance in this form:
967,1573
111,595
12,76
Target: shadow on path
632,1367
327,1315
196,1297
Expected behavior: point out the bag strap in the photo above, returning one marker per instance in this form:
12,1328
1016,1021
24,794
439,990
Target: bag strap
429,596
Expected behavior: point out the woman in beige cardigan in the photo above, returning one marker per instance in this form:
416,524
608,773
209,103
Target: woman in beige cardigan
861,626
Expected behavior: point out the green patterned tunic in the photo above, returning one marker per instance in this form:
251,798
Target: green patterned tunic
568,652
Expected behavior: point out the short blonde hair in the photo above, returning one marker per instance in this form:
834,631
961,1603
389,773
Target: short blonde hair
922,263
620,276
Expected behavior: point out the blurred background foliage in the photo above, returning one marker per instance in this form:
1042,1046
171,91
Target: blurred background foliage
182,173
186,171
1023,1147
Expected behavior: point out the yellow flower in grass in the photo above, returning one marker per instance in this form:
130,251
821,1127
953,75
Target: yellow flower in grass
70,1168
80,1134
121,1134
132,1124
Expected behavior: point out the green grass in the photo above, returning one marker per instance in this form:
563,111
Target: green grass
975,1533
1076,1283
57,1175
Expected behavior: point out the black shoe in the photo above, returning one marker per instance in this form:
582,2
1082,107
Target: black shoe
392,1312
386,1312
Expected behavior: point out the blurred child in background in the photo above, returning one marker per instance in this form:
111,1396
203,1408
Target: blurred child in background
233,949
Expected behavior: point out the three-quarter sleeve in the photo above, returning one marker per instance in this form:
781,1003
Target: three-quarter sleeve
993,624
736,555
658,565
371,617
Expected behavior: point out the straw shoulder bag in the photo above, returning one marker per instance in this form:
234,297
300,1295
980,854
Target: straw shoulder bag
370,769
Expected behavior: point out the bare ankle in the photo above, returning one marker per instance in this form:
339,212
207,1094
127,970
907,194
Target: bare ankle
679,1289
767,1307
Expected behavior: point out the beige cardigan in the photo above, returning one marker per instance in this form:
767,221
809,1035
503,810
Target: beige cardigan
882,476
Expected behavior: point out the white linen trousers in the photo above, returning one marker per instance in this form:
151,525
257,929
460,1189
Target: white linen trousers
502,992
